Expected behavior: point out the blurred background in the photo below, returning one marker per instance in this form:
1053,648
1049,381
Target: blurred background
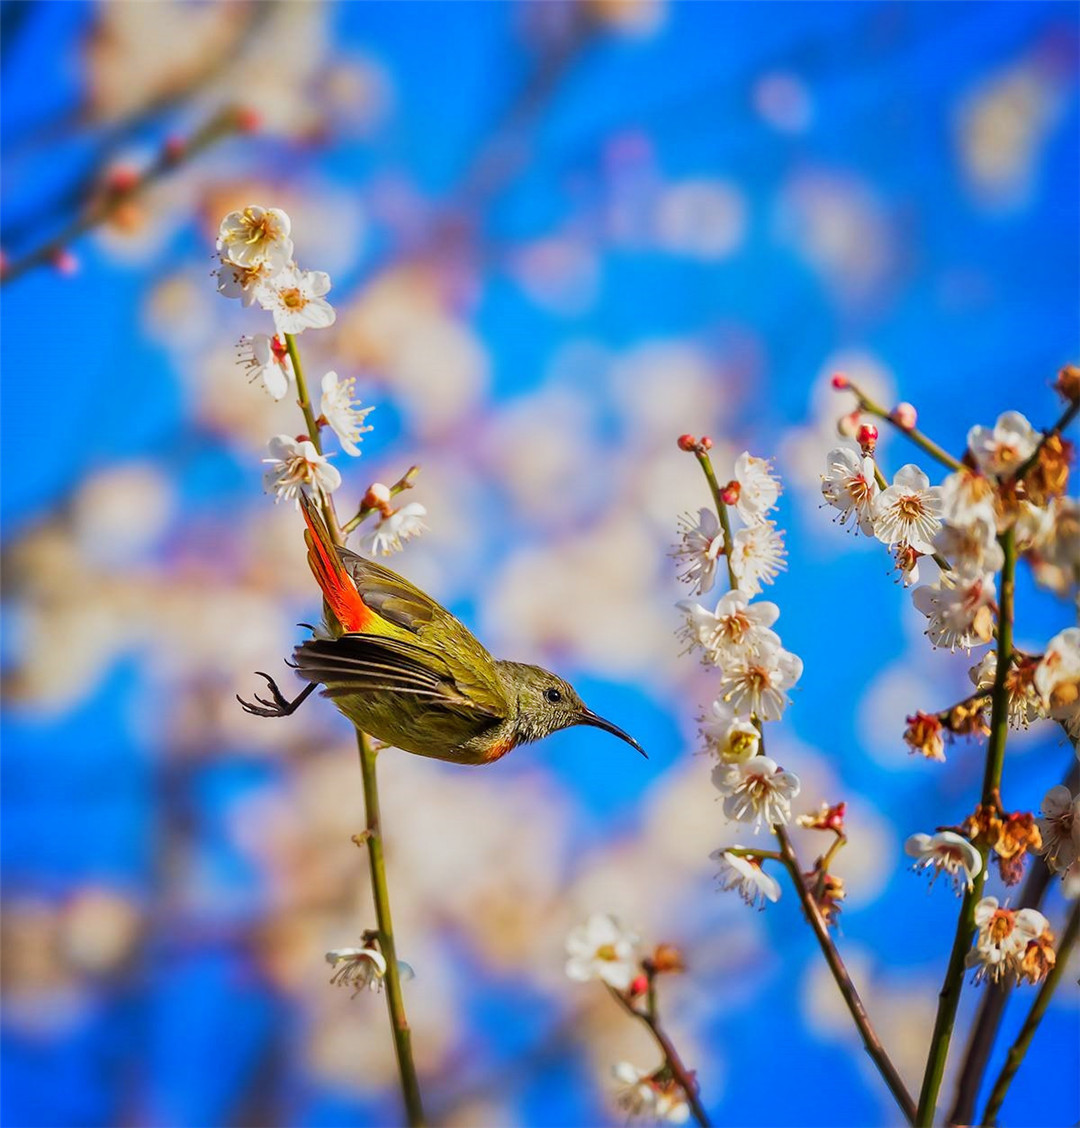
560,235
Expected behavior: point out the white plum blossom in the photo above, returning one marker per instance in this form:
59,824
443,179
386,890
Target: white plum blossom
756,791
345,416
757,683
1000,451
973,545
849,485
242,282
966,497
729,737
1057,679
959,615
757,555
736,626
759,488
358,968
297,467
909,511
394,529
1024,702
1002,940
295,298
746,877
602,949
1060,828
256,236
945,852
642,1097
266,359
700,550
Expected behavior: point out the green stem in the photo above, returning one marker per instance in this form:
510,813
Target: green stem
714,487
1023,1040
840,974
682,1075
949,996
917,437
395,1001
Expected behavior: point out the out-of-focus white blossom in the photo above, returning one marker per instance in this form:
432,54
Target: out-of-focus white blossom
297,467
756,791
757,555
746,877
735,626
358,968
945,852
908,511
972,546
1001,450
700,549
759,488
256,236
602,949
849,485
642,1097
1025,705
394,529
345,416
1003,938
757,683
1059,825
967,497
1057,679
295,298
729,737
266,359
960,615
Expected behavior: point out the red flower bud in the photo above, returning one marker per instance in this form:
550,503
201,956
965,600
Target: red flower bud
867,438
729,495
121,179
247,119
840,381
706,442
639,985
687,442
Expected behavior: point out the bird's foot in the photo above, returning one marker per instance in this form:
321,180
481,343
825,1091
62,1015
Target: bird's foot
279,705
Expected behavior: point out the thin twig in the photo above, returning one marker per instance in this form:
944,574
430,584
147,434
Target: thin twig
672,1060
914,434
721,507
870,1039
1023,1040
949,996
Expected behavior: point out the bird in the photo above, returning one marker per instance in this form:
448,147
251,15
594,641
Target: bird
404,670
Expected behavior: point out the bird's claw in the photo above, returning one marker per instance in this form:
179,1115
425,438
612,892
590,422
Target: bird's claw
277,707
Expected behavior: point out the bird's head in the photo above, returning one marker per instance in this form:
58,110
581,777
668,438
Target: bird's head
547,703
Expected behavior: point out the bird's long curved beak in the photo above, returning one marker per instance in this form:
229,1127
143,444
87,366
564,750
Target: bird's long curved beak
588,717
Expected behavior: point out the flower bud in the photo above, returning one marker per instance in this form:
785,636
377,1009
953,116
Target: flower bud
904,416
377,496
729,495
1068,383
840,381
121,179
687,442
847,425
866,437
667,958
706,442
65,262
638,985
246,119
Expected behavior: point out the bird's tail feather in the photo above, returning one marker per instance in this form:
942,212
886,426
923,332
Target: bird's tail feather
338,588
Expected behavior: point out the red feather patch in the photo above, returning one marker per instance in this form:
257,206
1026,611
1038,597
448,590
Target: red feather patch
337,585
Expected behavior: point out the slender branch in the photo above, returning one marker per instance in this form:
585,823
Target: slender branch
705,462
672,1060
840,974
222,124
916,436
372,836
949,996
1031,1023
405,482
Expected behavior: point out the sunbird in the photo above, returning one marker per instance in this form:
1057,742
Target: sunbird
408,673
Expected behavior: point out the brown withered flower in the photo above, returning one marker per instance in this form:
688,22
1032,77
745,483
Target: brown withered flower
666,958
1018,835
1049,475
968,718
923,735
1038,958
1067,384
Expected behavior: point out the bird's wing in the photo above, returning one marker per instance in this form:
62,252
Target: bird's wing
469,665
358,663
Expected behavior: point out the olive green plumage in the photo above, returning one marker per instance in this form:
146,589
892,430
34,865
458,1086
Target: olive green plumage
417,678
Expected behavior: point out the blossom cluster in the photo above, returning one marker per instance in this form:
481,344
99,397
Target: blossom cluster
1015,943
737,638
255,249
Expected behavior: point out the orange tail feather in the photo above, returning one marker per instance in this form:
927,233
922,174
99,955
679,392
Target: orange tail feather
337,585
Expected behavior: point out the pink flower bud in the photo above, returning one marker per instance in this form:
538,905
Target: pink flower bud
848,424
687,442
65,262
121,179
904,415
840,381
639,985
706,442
867,437
247,119
729,495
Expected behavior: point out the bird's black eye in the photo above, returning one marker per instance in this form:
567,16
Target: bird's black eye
553,695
